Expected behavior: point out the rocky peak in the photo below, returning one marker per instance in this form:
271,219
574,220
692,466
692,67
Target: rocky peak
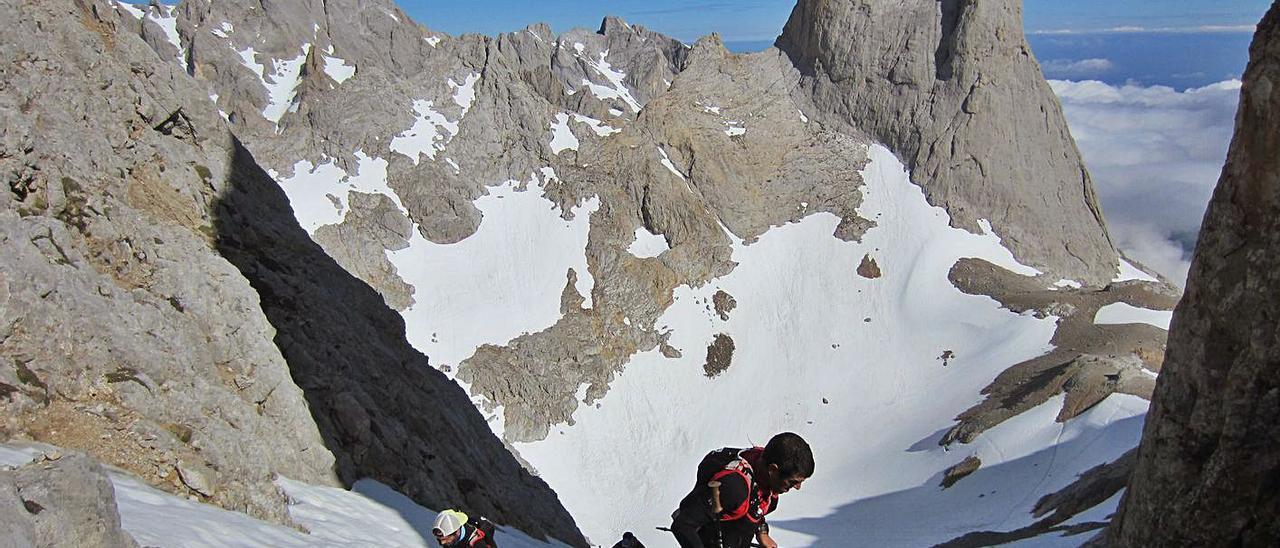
953,89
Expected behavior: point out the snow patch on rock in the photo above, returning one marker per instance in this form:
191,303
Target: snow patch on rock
616,88
338,69
1128,272
562,138
280,84
465,93
430,132
501,282
647,244
318,193
1122,313
164,17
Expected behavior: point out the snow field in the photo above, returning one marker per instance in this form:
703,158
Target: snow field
164,17
428,134
562,138
132,9
464,94
851,364
501,282
431,129
466,293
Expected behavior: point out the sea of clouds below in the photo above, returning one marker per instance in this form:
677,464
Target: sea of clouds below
1155,154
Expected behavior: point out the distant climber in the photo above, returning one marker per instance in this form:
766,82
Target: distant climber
736,488
629,541
454,530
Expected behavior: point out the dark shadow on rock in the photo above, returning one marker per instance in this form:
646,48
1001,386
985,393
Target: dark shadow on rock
973,511
945,53
380,408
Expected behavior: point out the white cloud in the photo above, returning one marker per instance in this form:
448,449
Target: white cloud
1155,154
1132,29
1067,68
1145,243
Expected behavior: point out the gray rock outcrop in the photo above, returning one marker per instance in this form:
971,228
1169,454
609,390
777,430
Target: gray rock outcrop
1088,362
952,88
1207,466
63,501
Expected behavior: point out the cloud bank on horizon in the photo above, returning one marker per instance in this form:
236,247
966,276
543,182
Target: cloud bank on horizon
1138,29
762,20
1155,154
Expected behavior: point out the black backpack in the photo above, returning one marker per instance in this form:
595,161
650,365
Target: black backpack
715,461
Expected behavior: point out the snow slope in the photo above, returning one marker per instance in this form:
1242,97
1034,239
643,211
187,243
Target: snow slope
501,282
851,364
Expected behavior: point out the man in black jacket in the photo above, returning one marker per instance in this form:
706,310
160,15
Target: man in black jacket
453,529
736,488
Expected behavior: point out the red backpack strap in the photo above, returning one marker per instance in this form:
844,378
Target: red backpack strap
741,468
477,537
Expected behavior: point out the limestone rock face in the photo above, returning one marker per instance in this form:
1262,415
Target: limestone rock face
124,334
952,88
63,502
1206,470
161,309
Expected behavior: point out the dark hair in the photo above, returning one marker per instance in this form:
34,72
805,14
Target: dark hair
791,453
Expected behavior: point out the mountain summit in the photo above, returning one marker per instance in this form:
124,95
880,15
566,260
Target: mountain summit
953,89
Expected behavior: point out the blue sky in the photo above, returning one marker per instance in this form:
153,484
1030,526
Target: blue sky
753,20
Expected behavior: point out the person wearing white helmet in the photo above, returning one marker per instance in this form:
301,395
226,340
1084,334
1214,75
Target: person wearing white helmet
453,529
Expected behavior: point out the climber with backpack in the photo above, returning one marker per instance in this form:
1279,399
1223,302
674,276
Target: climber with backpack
453,529
736,488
